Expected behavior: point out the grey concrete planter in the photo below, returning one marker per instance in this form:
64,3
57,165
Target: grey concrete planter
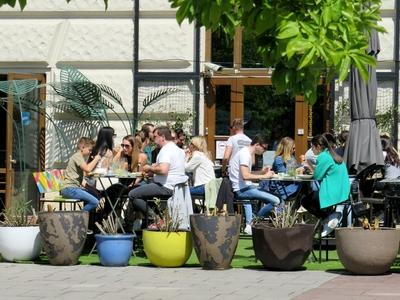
283,248
64,235
215,239
368,252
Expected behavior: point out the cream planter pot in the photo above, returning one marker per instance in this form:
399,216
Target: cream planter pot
20,243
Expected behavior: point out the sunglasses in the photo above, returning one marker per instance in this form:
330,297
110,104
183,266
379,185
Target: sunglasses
125,145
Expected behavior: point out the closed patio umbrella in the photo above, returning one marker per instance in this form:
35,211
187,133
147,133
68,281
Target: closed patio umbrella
363,147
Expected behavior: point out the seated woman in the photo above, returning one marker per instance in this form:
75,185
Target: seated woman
331,172
283,162
131,158
198,161
391,159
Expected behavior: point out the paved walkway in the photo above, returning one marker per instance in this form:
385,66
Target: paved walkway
30,281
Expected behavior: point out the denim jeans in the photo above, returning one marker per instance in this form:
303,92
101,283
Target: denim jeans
197,190
253,193
90,201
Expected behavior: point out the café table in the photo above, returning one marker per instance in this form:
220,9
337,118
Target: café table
278,181
108,177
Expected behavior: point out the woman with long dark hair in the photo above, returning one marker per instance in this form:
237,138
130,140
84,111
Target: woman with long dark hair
332,174
104,147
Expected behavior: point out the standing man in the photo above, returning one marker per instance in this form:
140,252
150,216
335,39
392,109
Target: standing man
240,174
168,171
235,142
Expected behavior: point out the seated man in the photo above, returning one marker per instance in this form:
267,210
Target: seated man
240,174
168,171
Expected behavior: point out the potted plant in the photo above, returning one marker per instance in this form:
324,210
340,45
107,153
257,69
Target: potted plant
19,233
215,238
63,234
114,249
283,243
367,250
165,244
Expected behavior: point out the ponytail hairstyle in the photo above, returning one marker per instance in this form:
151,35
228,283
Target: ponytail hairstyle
320,140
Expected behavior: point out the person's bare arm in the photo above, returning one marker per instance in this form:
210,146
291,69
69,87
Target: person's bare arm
159,169
88,167
227,156
247,175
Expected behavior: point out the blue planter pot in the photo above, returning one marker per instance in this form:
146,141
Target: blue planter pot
114,250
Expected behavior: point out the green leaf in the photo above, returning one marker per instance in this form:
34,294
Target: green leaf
344,68
306,58
326,15
361,68
278,80
289,29
22,4
297,46
265,20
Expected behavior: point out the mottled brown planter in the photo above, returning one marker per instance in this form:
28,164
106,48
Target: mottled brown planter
368,252
283,248
215,239
64,235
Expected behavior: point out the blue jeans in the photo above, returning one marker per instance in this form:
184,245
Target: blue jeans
253,193
90,201
197,190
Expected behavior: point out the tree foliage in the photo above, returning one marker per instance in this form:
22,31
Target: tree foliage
301,40
22,3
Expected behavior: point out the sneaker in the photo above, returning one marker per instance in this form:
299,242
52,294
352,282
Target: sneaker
330,223
247,230
301,209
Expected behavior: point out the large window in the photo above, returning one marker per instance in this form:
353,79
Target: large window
268,113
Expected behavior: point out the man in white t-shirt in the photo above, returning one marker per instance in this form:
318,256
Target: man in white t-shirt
236,142
168,171
241,175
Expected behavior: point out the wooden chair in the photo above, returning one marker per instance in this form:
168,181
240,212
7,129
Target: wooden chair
49,185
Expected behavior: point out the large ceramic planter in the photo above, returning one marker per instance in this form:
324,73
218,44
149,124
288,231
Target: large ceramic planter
368,252
114,250
167,249
20,243
283,248
215,239
64,235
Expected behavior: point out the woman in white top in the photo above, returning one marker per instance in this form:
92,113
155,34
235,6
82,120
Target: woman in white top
198,161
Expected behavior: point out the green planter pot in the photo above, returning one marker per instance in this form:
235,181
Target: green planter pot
64,235
367,252
215,239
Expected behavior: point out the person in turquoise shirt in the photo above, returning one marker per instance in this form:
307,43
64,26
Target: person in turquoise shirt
332,174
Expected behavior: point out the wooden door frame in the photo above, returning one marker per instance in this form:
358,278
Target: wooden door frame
237,108
10,131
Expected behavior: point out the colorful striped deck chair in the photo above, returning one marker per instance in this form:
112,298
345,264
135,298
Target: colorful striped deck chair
49,185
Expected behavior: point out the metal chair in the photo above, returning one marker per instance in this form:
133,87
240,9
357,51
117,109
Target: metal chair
48,184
